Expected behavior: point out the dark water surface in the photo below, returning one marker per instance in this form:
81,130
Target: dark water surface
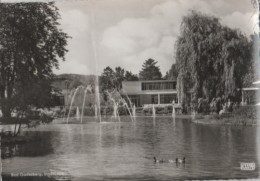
125,151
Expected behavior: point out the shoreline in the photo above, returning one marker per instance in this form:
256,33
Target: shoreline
219,120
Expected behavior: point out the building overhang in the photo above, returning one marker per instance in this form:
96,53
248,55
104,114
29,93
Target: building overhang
151,92
250,88
256,82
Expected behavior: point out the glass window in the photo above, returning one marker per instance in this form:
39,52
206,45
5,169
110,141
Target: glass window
158,85
154,99
135,99
168,98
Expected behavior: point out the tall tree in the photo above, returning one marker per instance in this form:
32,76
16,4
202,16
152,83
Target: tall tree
150,71
120,77
172,73
211,59
108,79
31,45
253,66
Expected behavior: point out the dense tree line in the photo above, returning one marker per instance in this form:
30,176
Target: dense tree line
112,79
212,59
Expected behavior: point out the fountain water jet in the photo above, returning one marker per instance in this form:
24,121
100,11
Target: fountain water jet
96,111
193,115
77,113
98,101
83,105
115,110
153,110
121,100
173,111
134,111
125,104
72,100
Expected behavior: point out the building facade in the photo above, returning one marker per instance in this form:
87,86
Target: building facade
251,95
150,92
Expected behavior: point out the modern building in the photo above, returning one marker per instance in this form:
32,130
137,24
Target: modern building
150,92
251,95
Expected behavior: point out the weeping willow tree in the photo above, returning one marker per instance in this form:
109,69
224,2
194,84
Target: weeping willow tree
212,59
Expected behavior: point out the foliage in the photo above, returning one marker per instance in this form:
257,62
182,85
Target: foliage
172,74
107,79
129,76
31,44
212,59
112,79
255,3
150,71
119,77
253,66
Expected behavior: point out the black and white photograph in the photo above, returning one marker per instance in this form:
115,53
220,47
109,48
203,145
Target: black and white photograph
122,90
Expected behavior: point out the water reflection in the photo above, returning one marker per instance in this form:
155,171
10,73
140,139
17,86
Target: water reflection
125,151
40,145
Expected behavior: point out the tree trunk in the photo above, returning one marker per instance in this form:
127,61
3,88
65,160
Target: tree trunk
18,131
6,110
20,123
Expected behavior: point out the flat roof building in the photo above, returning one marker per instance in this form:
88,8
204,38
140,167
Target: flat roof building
150,92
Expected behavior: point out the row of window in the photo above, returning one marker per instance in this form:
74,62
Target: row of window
158,85
164,99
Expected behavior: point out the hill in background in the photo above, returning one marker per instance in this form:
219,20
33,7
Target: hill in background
70,81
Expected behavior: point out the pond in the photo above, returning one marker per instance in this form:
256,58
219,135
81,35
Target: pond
125,150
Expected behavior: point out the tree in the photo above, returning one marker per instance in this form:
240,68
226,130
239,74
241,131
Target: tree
255,3
129,76
32,44
107,79
120,77
253,66
172,73
150,71
212,59
111,79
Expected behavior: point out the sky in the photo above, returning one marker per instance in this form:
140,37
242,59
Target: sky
125,33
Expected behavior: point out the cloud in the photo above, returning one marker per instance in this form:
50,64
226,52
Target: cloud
133,40
74,22
246,22
73,66
78,60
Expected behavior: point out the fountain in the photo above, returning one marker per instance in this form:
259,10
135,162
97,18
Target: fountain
96,111
83,105
130,103
72,100
77,113
125,104
117,103
134,111
153,110
193,115
115,110
173,121
173,112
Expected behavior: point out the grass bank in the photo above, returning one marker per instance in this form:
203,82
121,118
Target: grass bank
242,116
